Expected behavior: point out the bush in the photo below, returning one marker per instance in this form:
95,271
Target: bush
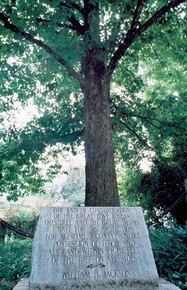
170,252
15,262
15,253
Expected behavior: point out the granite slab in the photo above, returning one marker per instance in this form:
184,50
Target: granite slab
92,248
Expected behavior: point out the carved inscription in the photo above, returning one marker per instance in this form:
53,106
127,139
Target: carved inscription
93,243
92,248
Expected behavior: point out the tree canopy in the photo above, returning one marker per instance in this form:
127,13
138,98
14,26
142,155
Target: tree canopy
90,67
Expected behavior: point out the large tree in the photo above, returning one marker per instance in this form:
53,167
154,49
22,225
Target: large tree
89,39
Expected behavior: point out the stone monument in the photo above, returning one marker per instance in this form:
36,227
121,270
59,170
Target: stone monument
92,248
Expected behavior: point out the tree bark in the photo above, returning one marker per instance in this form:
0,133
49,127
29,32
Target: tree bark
101,183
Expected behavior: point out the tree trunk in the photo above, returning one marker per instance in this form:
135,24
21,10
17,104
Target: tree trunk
101,183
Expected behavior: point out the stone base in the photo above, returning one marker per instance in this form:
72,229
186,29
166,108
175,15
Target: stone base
22,285
163,285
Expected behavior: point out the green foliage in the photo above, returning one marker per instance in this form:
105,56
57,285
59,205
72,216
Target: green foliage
15,252
159,191
15,262
22,218
73,189
77,199
21,152
131,193
170,253
147,109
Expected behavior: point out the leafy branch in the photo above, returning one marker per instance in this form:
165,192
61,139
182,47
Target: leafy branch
122,113
137,13
19,31
73,135
128,125
132,130
70,4
134,31
75,24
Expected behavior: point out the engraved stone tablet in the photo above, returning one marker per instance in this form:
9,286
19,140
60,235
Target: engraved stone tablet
92,248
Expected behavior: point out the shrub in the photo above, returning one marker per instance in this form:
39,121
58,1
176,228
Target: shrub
170,252
15,262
